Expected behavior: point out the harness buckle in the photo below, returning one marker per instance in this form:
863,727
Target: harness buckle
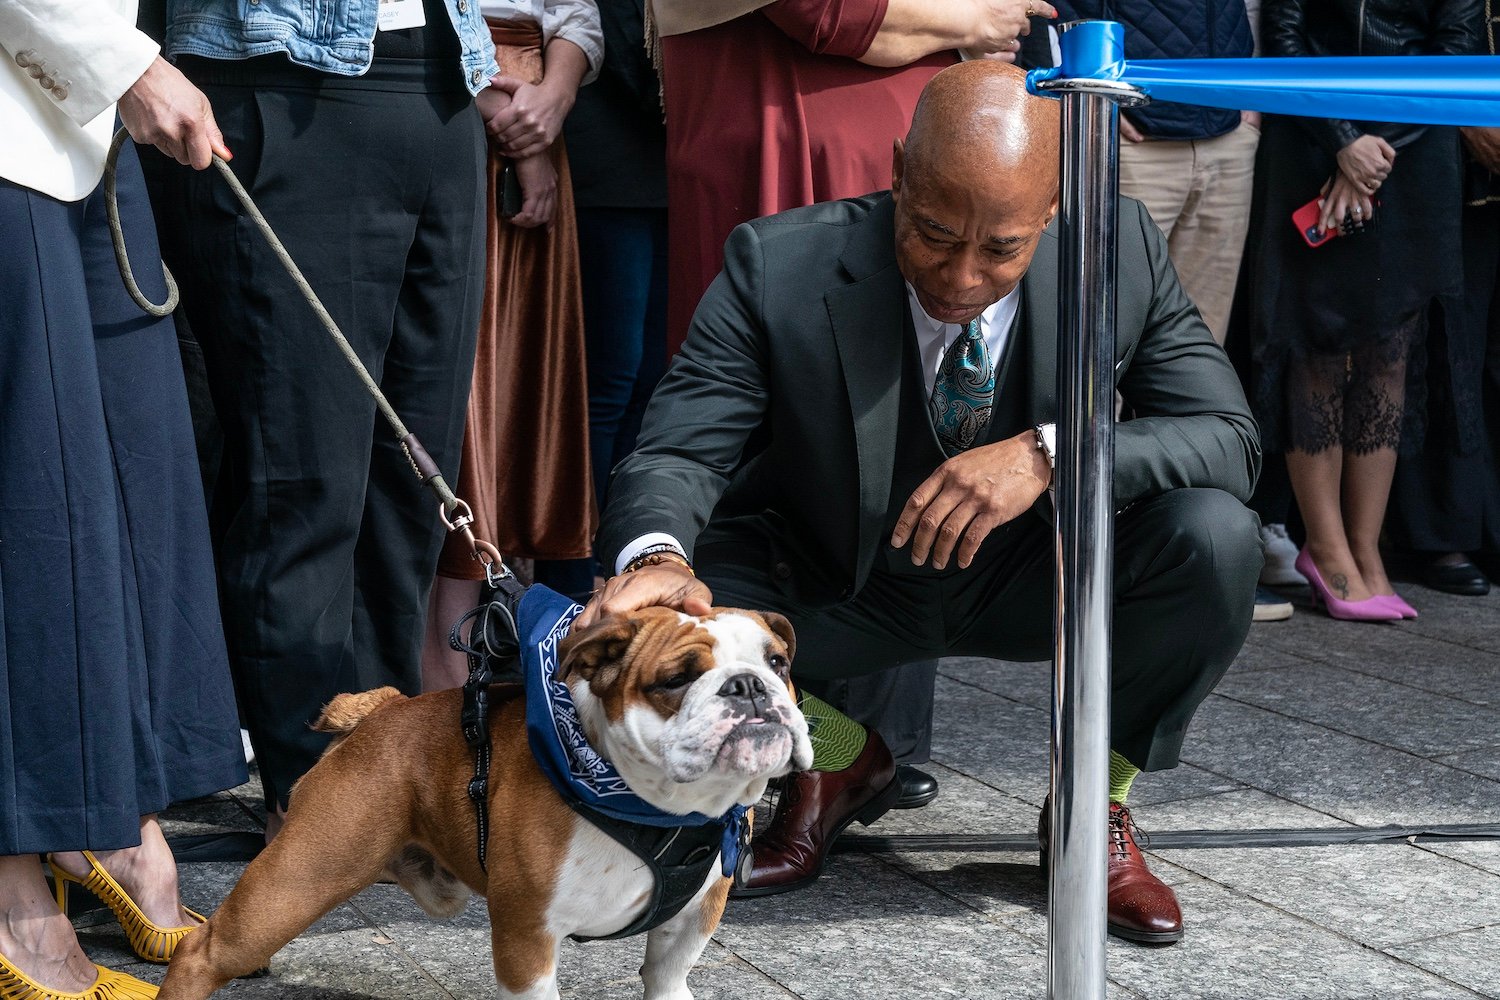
478,789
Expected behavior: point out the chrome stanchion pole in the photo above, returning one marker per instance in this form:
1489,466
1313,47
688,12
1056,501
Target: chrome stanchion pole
1084,538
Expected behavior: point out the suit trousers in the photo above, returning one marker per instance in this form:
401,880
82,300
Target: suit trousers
1186,565
327,544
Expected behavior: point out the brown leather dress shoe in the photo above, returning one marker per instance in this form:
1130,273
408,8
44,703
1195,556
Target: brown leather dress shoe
814,808
1141,906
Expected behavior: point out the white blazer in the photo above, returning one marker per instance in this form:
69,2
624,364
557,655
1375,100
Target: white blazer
63,65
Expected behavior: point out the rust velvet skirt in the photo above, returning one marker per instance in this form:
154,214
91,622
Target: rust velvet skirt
525,464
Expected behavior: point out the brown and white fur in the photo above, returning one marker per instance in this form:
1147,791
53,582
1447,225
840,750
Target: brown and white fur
660,696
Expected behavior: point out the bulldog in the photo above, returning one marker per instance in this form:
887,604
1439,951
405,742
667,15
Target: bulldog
696,715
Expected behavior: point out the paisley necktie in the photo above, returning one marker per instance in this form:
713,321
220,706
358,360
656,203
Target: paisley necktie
963,392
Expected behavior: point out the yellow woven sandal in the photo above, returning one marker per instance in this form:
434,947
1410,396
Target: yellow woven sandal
111,985
148,941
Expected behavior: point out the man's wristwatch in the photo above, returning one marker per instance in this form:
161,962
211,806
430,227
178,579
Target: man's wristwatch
1046,442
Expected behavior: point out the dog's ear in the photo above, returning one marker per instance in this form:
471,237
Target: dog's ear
595,653
782,629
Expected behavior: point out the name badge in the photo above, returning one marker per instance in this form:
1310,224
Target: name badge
397,14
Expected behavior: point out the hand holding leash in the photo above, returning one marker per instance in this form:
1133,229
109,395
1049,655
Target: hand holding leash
163,109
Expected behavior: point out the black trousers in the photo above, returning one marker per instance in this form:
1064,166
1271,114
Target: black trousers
326,543
1186,564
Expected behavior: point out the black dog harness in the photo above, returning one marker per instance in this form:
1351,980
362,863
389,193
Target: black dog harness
678,857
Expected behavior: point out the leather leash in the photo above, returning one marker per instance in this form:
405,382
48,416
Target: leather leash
493,639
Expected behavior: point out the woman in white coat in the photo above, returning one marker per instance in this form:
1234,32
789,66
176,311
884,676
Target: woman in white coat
115,698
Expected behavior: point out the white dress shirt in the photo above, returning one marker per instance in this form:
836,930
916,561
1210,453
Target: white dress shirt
576,21
934,337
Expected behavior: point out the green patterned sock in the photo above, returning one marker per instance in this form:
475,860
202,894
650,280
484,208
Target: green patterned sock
1121,774
837,740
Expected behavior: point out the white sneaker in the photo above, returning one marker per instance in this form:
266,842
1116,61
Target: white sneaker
1270,607
1281,555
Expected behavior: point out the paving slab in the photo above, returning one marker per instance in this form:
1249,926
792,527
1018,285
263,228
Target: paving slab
1344,776
1471,958
1483,854
868,928
1379,895
1239,949
1467,621
1484,762
1399,655
1239,809
1373,708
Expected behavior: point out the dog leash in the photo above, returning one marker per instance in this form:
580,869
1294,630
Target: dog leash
455,514
489,648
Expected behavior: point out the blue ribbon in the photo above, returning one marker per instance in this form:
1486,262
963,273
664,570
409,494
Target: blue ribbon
1422,90
557,739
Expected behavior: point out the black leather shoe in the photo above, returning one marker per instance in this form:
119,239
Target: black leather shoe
1463,578
918,788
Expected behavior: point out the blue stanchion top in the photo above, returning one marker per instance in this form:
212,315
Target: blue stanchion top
1422,90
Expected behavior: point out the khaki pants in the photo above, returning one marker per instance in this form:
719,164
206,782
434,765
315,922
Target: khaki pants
1198,191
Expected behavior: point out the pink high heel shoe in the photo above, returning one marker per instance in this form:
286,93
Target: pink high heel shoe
1398,603
1371,609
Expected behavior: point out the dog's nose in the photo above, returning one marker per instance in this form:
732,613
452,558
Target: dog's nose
749,687
749,690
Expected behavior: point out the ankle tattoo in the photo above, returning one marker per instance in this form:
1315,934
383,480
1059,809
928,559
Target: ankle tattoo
1341,584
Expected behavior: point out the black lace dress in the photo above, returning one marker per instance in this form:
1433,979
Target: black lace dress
1335,328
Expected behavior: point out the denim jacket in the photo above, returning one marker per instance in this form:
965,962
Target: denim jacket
335,36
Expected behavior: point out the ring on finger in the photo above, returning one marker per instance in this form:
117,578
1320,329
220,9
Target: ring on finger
1030,10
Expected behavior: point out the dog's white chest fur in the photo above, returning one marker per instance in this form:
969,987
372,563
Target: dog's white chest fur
602,887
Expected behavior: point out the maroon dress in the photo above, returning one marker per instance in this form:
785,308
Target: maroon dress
768,112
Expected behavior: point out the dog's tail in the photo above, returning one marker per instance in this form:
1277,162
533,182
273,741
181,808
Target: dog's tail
346,711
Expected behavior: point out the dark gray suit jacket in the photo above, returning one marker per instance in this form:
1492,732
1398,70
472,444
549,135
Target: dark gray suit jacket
777,421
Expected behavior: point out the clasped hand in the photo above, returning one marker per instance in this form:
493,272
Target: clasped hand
523,119
969,496
1484,145
1364,165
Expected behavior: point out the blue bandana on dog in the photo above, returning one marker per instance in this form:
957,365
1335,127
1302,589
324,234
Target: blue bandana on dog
558,742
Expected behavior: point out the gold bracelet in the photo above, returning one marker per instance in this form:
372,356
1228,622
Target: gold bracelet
656,559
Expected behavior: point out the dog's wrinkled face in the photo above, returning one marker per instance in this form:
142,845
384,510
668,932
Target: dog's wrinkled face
693,710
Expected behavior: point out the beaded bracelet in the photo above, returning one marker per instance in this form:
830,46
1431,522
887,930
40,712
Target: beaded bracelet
655,555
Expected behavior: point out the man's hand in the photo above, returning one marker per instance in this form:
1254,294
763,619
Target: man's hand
163,109
1129,132
969,496
666,584
1484,145
1367,162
